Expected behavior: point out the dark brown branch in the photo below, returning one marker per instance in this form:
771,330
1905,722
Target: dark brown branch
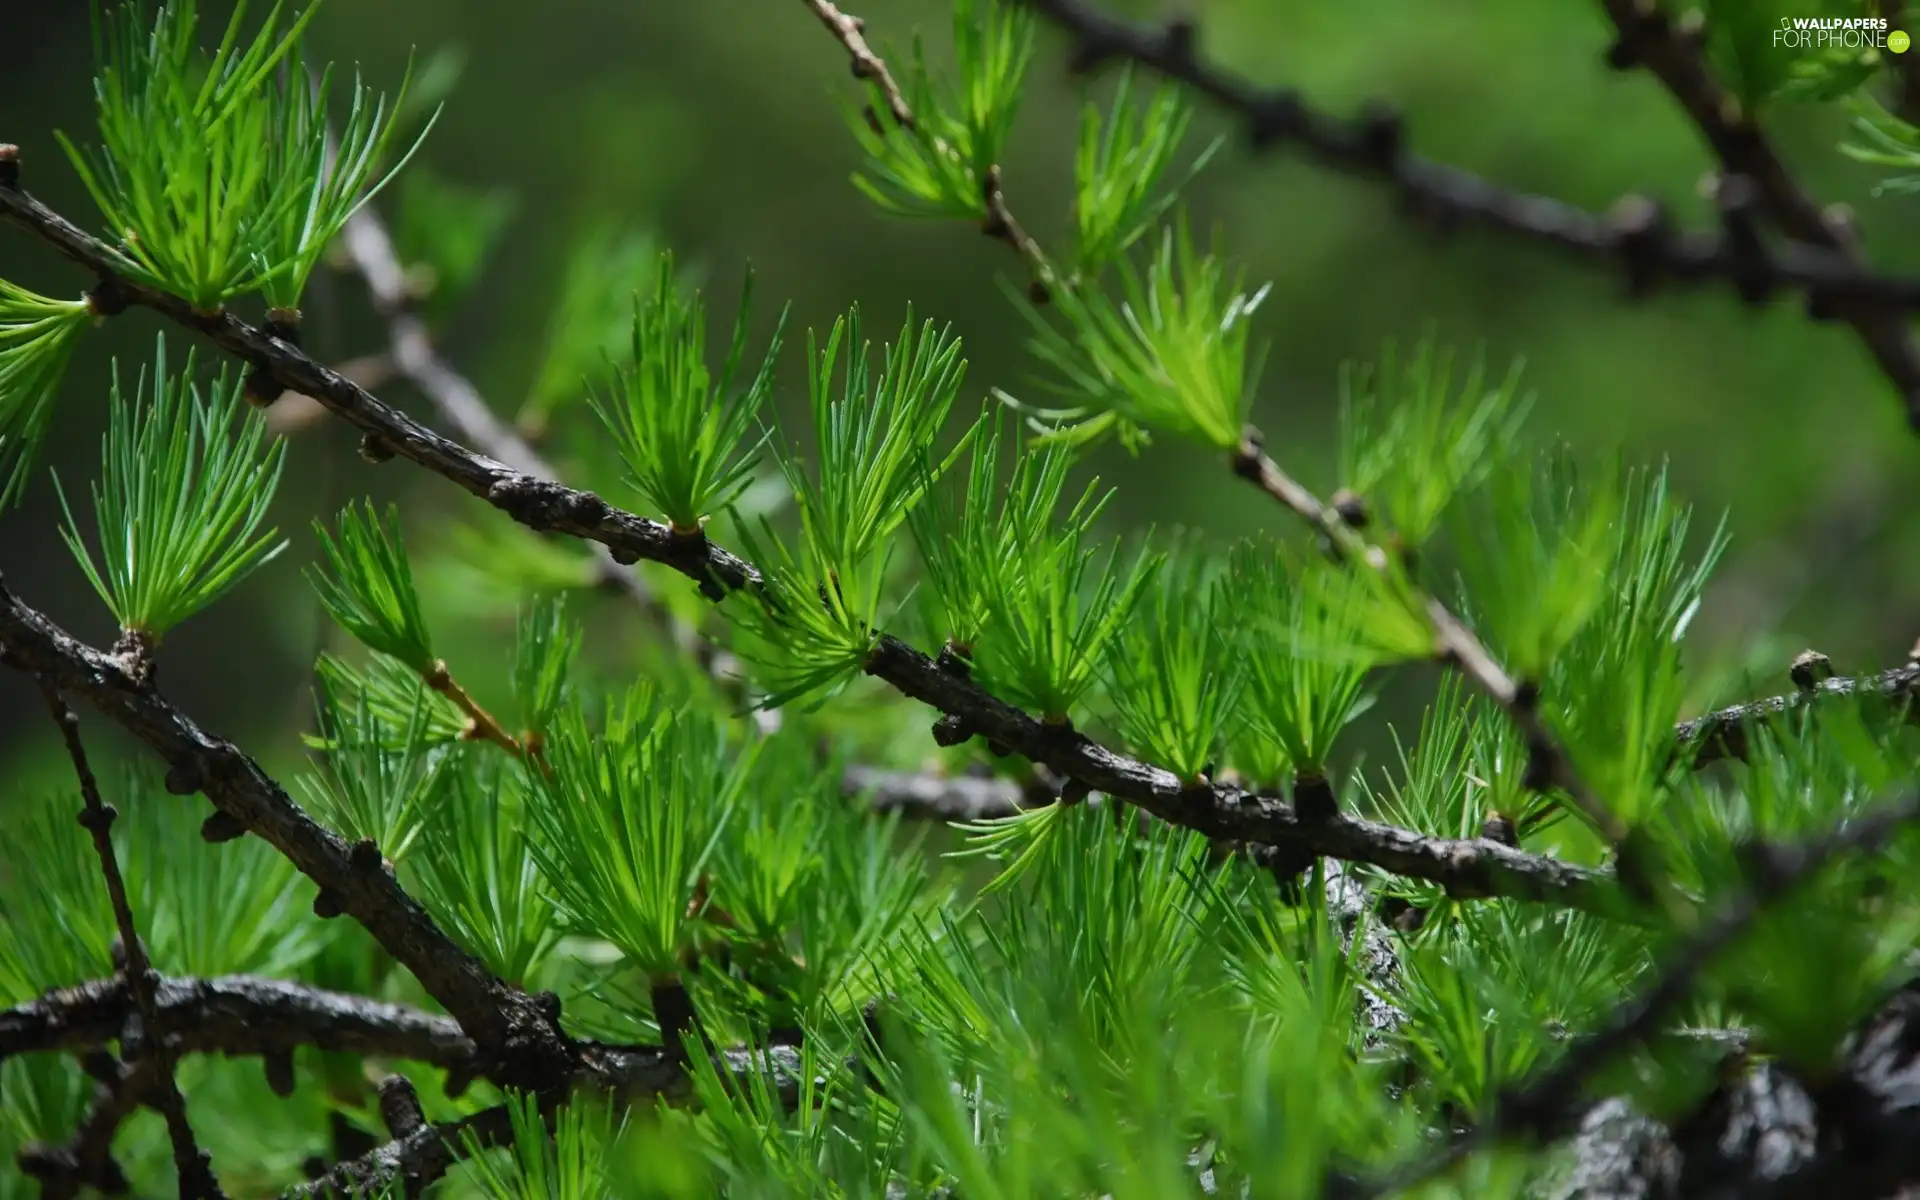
537,503
236,1015
1723,733
1467,867
525,1046
295,411
1544,1107
244,1015
1474,867
1635,236
400,1106
195,1167
1651,39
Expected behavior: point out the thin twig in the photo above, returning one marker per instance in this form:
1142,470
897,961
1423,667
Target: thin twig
195,1167
867,66
997,221
1542,1107
1549,765
1456,644
482,725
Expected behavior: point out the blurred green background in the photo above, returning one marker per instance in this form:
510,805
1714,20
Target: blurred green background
720,126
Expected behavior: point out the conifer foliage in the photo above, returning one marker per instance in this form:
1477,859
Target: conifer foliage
948,842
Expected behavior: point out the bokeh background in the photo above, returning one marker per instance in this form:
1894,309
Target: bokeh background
720,126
